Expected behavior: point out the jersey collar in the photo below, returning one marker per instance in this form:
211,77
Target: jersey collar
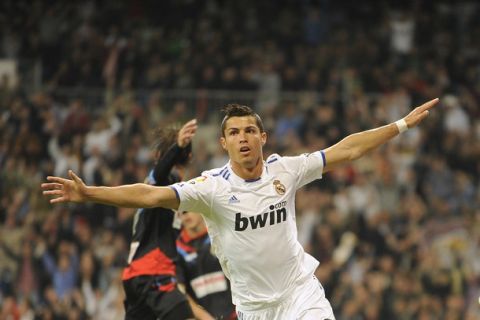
238,179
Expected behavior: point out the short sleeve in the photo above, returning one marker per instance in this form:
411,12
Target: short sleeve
307,167
196,194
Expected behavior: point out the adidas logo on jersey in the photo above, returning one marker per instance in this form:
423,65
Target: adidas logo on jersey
233,199
277,214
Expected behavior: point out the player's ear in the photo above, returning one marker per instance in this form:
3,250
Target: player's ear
223,142
263,138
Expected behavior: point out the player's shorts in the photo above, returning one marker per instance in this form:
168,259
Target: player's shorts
155,297
307,302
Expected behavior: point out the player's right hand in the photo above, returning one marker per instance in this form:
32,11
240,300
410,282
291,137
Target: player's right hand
65,190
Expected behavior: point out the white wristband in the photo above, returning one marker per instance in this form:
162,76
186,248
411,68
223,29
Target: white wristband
401,125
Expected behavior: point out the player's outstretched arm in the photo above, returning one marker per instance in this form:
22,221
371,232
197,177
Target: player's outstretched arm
137,195
356,145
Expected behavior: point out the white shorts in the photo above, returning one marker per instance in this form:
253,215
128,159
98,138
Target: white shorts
307,302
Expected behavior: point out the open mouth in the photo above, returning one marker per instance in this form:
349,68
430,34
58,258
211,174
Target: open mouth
244,149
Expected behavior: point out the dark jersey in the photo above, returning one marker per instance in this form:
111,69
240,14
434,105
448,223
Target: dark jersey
152,250
202,275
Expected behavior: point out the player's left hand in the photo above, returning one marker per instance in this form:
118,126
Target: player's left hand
419,113
186,133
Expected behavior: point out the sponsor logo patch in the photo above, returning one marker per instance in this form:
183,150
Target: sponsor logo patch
277,214
198,180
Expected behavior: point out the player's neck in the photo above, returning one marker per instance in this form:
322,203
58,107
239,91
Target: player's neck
248,173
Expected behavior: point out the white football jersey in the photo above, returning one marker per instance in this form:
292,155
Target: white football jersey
252,226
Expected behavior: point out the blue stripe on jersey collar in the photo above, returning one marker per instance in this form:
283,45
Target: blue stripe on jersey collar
230,170
224,172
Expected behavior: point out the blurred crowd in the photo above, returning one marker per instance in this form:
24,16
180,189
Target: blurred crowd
397,232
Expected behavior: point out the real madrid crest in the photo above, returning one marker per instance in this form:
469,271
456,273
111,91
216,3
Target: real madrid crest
279,187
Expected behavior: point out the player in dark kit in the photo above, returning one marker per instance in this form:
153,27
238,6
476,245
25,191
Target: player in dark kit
200,270
150,278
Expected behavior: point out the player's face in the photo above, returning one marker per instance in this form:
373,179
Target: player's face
191,220
243,141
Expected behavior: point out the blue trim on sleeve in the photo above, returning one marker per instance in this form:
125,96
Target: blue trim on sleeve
176,192
323,158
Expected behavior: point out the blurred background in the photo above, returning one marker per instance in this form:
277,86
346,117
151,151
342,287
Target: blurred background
83,84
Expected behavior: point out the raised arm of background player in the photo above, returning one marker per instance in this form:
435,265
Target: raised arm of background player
145,196
175,154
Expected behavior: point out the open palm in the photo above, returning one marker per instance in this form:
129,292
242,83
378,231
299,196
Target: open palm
65,190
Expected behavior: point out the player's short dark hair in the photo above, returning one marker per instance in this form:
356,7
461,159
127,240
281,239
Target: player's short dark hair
165,137
237,110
